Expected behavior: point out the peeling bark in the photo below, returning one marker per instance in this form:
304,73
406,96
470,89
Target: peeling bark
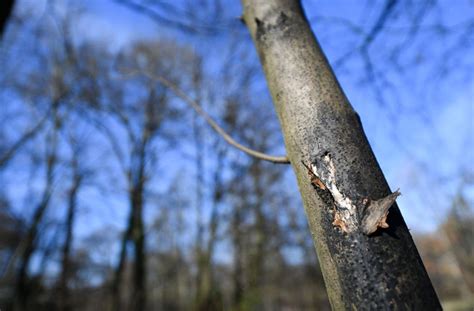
349,215
345,211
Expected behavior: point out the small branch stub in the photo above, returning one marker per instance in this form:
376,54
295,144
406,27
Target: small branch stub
375,214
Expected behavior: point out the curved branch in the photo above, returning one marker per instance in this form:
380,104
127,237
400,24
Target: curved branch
167,15
7,155
180,93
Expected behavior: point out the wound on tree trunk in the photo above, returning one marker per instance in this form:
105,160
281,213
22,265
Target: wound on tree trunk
350,214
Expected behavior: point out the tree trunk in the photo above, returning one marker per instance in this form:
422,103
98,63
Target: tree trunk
201,281
28,245
139,266
362,269
136,234
238,269
209,296
63,287
257,257
115,304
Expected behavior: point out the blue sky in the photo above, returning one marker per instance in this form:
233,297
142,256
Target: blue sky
422,153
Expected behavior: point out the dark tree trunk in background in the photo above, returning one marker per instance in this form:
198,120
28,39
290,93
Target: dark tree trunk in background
257,275
6,9
208,294
136,234
202,281
378,271
63,289
238,269
119,270
135,231
28,245
138,237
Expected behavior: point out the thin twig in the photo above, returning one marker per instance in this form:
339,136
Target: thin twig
174,18
181,94
8,154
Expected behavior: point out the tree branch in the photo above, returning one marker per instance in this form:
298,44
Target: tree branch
181,94
8,154
168,15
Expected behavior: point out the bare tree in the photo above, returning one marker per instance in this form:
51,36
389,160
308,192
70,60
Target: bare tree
459,230
142,120
77,179
28,244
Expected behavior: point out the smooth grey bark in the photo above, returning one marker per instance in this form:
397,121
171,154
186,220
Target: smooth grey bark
362,270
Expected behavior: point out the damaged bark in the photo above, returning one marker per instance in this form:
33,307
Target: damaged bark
349,215
367,256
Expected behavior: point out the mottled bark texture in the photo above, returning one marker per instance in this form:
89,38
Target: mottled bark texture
378,270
